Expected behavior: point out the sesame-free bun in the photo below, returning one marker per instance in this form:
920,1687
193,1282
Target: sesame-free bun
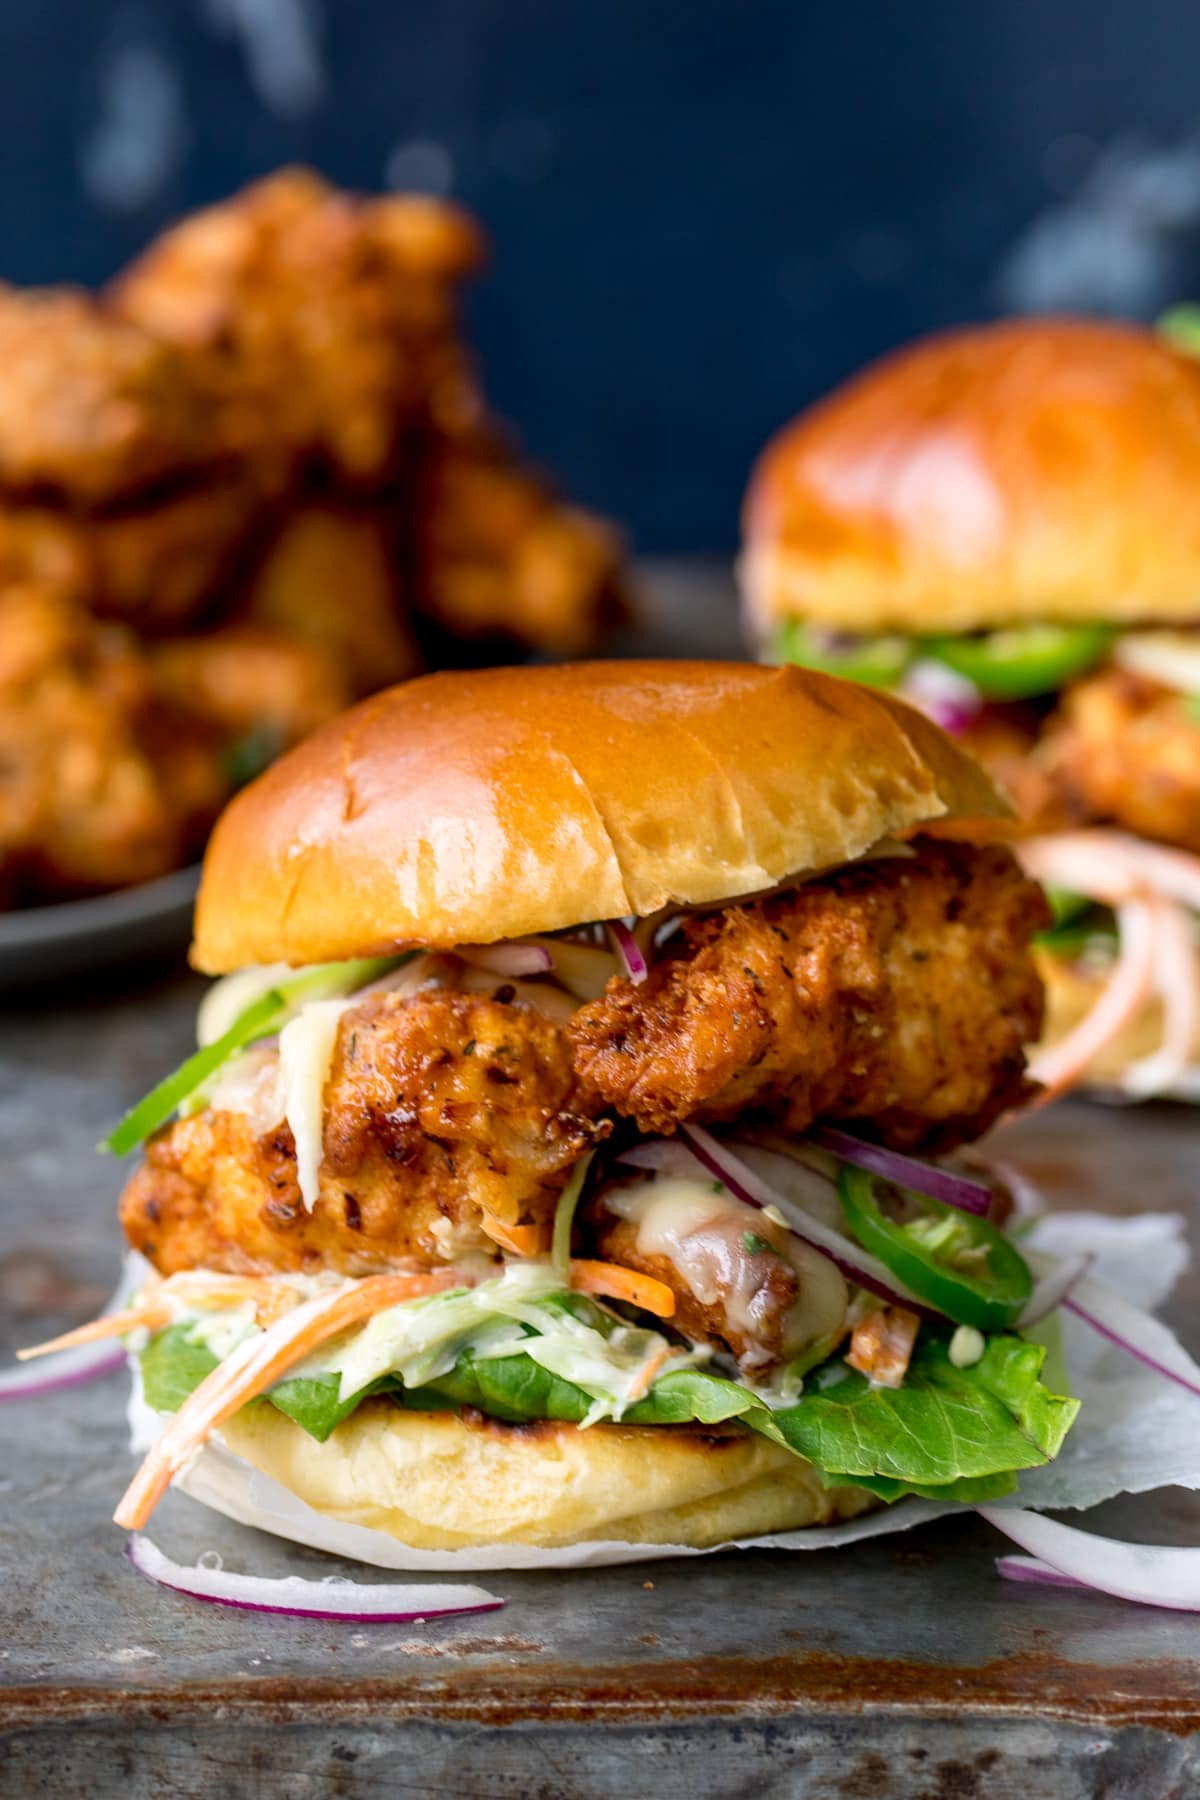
435,1481
1041,469
464,808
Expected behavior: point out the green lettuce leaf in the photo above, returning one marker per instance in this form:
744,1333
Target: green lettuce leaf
947,1434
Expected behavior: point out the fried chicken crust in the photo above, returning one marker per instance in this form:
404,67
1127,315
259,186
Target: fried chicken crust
92,407
331,317
438,1109
1124,750
899,993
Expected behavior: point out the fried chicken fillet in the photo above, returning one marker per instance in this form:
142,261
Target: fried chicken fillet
440,1110
329,320
102,783
897,992
1125,750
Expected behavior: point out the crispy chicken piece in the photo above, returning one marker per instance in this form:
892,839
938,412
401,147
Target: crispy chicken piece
498,558
898,992
1125,750
439,1108
253,684
332,578
1007,739
93,408
331,320
155,565
101,784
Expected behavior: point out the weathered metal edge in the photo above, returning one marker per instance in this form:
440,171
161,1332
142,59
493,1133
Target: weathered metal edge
736,1687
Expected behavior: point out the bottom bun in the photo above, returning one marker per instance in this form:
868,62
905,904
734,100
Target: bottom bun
436,1481
1072,990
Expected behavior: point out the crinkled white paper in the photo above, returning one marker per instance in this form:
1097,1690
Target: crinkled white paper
1135,1431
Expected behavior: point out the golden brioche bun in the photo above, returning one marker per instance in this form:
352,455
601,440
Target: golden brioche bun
435,1481
1071,992
464,808
1041,469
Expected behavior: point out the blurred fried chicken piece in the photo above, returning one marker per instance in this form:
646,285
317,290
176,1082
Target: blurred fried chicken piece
1124,750
155,565
261,689
93,408
497,558
899,992
438,1109
331,578
330,318
101,785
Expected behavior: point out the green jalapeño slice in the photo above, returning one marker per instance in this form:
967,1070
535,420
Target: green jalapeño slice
955,1262
1022,662
874,661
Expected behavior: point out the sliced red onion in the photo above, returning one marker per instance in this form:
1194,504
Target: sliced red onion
509,959
1028,1568
357,1602
857,1264
1134,1332
1151,1574
943,695
1052,1289
70,1368
662,1156
906,1171
629,951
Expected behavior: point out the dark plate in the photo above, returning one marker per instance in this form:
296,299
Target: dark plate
44,943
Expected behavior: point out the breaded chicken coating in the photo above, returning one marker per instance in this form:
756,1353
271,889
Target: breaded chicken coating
439,1109
101,783
330,319
498,557
1126,751
92,407
898,992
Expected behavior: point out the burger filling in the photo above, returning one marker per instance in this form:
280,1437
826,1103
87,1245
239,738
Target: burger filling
1086,727
555,1180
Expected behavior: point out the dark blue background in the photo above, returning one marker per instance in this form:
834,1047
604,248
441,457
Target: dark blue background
704,213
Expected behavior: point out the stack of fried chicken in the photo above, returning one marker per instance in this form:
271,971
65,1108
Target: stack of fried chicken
252,482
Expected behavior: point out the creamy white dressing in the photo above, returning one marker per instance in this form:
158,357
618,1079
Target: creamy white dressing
306,1046
713,1242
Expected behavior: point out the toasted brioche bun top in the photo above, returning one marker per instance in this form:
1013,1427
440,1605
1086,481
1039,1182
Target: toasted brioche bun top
1039,469
463,808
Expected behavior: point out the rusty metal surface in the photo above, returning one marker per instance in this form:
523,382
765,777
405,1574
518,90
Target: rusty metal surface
902,1667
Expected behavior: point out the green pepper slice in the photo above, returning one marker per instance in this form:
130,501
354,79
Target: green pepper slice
874,661
1019,663
1180,325
952,1260
260,1019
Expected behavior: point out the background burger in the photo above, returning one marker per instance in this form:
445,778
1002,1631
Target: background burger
553,1166
1001,524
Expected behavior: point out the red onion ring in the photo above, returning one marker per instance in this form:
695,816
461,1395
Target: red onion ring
355,1602
1134,1332
71,1368
857,1264
1052,1289
1151,1574
629,951
958,1191
508,959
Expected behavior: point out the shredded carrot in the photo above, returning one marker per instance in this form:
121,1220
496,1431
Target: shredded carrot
255,1365
613,1282
149,1316
155,1311
519,1240
649,1369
